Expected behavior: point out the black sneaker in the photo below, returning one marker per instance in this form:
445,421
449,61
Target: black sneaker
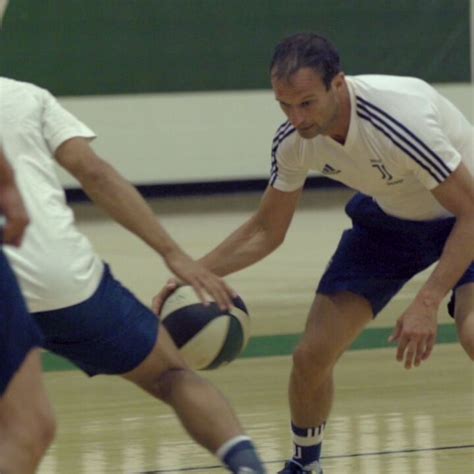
292,467
249,470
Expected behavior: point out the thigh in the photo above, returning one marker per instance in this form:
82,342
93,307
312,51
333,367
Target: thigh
465,305
163,357
112,332
25,408
372,265
464,309
18,332
380,253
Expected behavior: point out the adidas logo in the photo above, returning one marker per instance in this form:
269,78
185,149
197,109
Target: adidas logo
328,169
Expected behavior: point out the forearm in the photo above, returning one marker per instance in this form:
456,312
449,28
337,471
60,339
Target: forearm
247,245
110,191
13,215
457,255
6,172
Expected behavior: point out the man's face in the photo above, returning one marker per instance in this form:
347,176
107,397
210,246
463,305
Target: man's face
310,107
3,7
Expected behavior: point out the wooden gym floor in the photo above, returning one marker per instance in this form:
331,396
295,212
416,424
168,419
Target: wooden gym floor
385,419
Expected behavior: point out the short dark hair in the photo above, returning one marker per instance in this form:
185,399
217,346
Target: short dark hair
305,50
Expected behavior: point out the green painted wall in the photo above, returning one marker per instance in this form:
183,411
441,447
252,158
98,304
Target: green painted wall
76,47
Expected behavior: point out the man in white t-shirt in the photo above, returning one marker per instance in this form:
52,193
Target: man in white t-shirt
85,314
409,153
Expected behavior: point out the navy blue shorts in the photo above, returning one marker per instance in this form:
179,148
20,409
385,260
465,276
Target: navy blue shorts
380,253
18,332
112,332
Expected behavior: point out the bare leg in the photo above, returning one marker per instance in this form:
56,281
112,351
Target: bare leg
202,409
334,322
464,316
26,419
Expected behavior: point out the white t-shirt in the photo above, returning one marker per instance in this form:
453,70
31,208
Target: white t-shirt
404,139
56,265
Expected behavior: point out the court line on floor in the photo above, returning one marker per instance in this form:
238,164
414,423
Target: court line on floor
334,456
284,344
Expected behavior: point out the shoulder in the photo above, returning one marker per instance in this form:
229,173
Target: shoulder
402,97
405,103
389,87
21,97
13,86
284,139
405,111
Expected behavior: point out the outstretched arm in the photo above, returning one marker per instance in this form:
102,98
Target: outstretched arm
11,206
251,242
109,190
257,237
416,328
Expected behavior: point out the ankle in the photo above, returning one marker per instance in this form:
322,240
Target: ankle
239,455
307,445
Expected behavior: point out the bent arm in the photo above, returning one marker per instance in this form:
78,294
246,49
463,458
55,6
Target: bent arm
257,237
11,206
456,194
110,191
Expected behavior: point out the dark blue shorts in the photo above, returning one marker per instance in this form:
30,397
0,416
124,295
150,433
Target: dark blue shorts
380,253
18,332
112,332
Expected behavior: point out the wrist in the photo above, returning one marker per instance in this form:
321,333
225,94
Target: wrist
429,299
168,249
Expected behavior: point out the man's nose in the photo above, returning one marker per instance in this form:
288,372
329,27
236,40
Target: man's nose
296,117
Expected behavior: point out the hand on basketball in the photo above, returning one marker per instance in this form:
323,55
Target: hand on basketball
204,282
415,333
162,296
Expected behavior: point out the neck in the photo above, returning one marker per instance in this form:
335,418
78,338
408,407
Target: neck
341,127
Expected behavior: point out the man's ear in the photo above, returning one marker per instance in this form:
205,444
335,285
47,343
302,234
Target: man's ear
339,80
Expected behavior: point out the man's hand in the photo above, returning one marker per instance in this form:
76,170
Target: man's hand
162,296
415,333
204,282
11,206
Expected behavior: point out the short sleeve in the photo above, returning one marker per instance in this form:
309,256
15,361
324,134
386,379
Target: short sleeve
59,125
432,157
287,174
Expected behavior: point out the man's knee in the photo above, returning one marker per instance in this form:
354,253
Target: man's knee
464,317
164,385
334,321
46,429
466,338
39,437
28,439
312,362
26,417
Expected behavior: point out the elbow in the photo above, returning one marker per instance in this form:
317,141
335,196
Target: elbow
278,240
274,241
94,174
271,236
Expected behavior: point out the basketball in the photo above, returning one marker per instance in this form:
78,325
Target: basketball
206,336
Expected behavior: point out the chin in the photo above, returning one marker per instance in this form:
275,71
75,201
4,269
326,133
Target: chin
308,133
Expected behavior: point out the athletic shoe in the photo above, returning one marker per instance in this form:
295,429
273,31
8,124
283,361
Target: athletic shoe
292,467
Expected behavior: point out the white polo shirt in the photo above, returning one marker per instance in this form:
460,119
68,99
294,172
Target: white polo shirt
404,139
56,265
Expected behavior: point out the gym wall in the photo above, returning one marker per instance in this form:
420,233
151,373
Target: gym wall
178,90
